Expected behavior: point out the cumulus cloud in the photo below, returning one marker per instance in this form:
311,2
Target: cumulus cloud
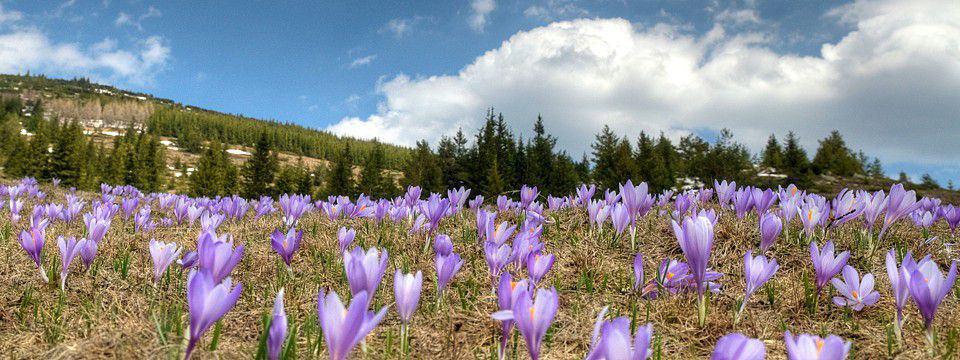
361,61
891,85
401,26
481,10
29,49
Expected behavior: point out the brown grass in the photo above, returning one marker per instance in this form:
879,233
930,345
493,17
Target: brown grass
106,316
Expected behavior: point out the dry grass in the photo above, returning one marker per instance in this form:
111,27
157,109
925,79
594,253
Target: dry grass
107,316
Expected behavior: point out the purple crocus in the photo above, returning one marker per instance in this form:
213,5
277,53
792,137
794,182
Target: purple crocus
406,292
344,327
900,203
69,249
365,270
825,264
532,317
217,257
32,242
620,217
538,265
900,282
189,260
756,271
611,340
442,245
208,300
807,347
88,252
345,238
528,195
743,202
278,328
856,293
286,244
637,271
725,191
810,215
696,241
770,227
736,346
163,255
929,287
447,267
762,200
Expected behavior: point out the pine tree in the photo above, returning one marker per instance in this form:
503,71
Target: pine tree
613,162
288,180
835,158
38,154
795,162
928,182
18,161
66,160
875,169
340,178
423,170
259,172
494,182
903,178
215,175
372,180
541,164
773,154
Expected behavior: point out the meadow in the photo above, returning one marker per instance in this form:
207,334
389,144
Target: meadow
584,245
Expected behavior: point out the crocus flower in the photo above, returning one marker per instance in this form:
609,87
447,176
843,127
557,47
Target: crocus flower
538,265
736,346
499,233
637,271
611,340
810,215
762,200
506,294
756,272
620,217
743,202
770,227
447,267
406,293
695,236
807,347
952,216
96,226
365,270
286,244
69,249
344,327
345,238
163,255
207,301
88,252
217,258
189,260
900,281
278,328
872,206
442,245
856,293
725,191
825,264
497,256
900,203
32,242
532,317
929,287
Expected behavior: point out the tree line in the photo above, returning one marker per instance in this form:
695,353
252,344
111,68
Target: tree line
494,160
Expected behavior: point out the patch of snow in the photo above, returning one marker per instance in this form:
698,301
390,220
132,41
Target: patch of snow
238,152
111,133
25,132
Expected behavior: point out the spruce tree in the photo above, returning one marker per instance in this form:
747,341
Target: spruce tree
66,160
259,172
18,162
340,178
372,180
541,164
835,158
772,154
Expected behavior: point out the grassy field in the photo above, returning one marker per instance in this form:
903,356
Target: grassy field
112,310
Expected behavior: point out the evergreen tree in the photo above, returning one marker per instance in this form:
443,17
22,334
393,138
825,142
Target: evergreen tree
875,169
612,157
835,158
795,162
215,175
773,154
541,169
340,179
928,182
288,181
422,169
904,179
18,162
38,154
67,158
372,180
259,172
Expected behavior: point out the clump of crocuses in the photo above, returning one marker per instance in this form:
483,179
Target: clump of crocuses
611,339
163,255
532,316
855,292
208,301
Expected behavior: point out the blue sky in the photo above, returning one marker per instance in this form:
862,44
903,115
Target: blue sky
403,70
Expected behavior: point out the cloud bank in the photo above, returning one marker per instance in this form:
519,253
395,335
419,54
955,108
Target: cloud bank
891,85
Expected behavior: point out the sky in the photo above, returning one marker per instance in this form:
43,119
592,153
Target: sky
885,73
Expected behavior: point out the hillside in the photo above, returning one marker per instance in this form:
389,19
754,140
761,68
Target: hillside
106,111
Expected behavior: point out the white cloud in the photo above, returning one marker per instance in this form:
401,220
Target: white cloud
360,61
124,19
29,49
9,16
555,9
891,85
738,17
401,26
481,10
